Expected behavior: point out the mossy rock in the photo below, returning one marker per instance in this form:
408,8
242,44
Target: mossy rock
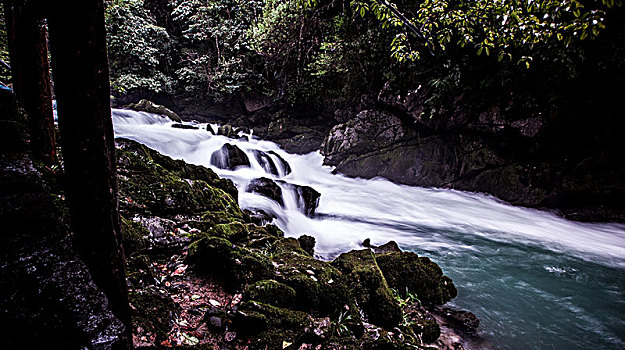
320,288
263,237
133,236
370,287
234,232
238,266
152,311
271,326
288,245
151,107
419,275
270,292
138,271
150,183
307,243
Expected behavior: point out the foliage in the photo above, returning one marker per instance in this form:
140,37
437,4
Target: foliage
138,48
216,58
491,27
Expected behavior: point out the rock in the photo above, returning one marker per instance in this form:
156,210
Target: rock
324,293
229,157
369,130
308,197
227,131
151,107
210,129
237,265
307,243
151,184
260,217
266,162
458,319
283,163
271,292
406,271
184,126
266,187
388,247
370,288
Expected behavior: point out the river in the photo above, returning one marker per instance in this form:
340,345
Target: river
535,280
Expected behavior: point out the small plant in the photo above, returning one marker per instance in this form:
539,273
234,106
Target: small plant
339,327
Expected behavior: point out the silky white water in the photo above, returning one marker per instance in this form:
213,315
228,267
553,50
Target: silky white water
535,280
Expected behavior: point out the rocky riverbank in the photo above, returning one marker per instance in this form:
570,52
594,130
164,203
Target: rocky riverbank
217,279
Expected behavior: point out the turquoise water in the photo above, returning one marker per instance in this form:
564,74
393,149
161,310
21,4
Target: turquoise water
531,298
536,281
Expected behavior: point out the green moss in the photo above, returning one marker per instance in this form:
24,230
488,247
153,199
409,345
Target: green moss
370,287
234,232
138,271
153,312
269,326
153,184
320,288
133,236
263,237
270,292
288,245
419,275
239,266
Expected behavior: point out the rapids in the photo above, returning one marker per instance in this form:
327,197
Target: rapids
535,280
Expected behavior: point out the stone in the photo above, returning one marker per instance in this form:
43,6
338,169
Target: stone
150,107
229,157
370,288
266,187
406,271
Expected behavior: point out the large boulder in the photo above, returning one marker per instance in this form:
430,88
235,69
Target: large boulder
266,187
238,266
406,271
266,162
307,197
369,286
151,107
153,184
229,157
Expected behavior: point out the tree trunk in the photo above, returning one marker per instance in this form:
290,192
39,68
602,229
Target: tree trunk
28,50
81,77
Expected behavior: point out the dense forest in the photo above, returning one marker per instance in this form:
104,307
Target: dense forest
312,174
518,100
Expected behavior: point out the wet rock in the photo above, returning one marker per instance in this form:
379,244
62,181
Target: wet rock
266,162
275,324
184,126
285,165
307,243
388,247
227,131
151,107
458,319
406,271
266,187
259,216
210,129
369,286
229,157
48,298
307,197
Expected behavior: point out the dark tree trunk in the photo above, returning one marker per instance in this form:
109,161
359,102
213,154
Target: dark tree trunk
26,34
80,69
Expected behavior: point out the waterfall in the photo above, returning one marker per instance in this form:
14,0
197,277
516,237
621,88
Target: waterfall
522,271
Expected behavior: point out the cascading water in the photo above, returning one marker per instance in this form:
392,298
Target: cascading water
535,280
